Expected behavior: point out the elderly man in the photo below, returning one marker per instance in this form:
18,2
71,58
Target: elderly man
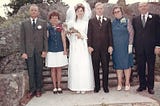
33,48
146,46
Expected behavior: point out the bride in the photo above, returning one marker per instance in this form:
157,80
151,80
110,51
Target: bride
80,70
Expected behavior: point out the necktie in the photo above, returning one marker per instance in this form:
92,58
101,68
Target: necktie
33,23
143,20
100,23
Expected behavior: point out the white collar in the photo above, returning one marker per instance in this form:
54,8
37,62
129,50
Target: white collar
34,19
97,16
146,15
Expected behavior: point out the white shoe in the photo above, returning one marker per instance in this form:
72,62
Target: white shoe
59,90
55,90
127,87
119,88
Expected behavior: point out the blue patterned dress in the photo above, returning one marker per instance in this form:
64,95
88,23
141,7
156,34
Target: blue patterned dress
121,58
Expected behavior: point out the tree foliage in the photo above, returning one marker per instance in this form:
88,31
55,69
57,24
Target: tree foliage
16,4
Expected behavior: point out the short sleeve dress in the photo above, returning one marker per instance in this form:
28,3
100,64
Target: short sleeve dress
55,56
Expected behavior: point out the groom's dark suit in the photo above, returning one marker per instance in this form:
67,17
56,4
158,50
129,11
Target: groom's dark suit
100,38
145,40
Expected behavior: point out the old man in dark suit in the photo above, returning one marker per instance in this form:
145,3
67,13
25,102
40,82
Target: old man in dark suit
33,48
146,46
100,45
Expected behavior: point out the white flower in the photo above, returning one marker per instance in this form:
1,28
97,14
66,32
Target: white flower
123,20
105,18
150,16
39,27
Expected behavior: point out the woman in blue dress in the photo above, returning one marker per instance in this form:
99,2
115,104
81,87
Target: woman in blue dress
122,47
57,53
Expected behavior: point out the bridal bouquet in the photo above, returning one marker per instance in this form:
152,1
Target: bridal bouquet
71,30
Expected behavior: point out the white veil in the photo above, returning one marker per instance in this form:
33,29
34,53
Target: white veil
71,16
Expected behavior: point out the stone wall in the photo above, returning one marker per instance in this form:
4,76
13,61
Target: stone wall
12,88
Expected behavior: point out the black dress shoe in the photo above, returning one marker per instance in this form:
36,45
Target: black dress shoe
96,90
150,91
106,90
140,89
38,94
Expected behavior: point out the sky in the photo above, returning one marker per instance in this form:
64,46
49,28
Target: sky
2,10
2,2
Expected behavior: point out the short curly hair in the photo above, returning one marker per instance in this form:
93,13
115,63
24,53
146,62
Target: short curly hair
54,13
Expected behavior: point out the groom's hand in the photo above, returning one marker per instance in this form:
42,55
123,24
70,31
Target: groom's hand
90,49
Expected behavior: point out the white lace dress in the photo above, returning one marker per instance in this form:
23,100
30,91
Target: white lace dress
80,70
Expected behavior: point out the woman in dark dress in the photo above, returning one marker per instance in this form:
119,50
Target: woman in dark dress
122,47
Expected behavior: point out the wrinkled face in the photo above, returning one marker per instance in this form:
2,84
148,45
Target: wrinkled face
79,13
117,13
99,9
54,20
143,8
34,12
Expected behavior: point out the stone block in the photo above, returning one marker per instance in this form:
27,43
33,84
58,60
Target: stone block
12,88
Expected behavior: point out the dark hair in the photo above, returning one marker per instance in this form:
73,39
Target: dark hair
78,6
54,13
116,7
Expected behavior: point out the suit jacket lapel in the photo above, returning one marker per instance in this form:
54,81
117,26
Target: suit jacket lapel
140,21
37,23
148,19
96,21
29,24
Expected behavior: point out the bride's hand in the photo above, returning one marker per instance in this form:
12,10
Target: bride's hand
79,36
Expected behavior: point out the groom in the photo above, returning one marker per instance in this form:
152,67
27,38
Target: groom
100,45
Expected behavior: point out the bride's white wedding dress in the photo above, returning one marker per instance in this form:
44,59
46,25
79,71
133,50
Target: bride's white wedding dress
80,70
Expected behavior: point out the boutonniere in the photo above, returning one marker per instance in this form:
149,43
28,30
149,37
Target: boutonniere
104,18
59,28
123,20
39,27
149,16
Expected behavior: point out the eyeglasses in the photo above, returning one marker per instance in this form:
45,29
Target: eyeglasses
115,12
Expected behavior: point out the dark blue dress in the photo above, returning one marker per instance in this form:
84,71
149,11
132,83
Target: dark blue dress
121,59
55,56
54,40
